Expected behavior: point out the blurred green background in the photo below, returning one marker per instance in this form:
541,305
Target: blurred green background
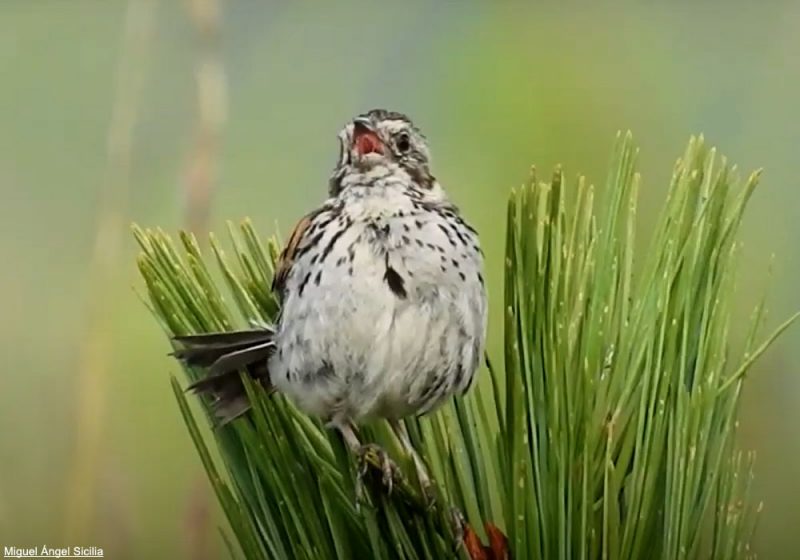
92,449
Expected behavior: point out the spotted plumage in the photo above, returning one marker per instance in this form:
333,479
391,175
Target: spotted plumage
383,304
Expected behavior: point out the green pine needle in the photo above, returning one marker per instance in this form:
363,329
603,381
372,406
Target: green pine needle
609,433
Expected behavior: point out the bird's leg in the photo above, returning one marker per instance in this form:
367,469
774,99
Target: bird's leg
353,443
366,454
371,453
458,525
349,435
400,430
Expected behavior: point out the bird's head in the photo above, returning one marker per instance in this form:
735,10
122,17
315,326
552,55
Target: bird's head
381,137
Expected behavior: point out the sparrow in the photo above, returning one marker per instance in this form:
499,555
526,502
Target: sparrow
383,305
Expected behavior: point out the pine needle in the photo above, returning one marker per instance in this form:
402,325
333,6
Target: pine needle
609,432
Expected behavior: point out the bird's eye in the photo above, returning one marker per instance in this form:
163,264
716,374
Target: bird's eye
403,142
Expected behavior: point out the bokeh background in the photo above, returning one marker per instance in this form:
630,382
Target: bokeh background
178,114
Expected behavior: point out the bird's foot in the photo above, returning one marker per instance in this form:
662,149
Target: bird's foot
429,495
375,456
425,485
458,525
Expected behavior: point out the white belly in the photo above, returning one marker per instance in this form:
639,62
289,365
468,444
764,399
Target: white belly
349,347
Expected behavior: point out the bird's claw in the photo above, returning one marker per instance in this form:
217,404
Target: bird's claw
458,525
428,494
426,487
375,455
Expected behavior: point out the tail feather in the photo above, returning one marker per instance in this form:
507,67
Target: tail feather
223,356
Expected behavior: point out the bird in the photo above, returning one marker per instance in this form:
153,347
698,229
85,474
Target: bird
383,304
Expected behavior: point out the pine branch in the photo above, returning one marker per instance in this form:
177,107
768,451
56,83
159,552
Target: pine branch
609,433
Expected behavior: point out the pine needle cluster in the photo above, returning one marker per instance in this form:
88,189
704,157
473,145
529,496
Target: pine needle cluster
607,430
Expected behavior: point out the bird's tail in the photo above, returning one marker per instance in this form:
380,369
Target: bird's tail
222,356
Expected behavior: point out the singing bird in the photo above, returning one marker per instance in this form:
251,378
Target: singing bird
383,303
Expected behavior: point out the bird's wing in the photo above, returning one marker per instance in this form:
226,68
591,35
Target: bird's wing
287,256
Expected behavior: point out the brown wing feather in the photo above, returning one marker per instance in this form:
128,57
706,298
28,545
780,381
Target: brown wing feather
286,258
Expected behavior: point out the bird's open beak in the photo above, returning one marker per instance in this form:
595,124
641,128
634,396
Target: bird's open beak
365,139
